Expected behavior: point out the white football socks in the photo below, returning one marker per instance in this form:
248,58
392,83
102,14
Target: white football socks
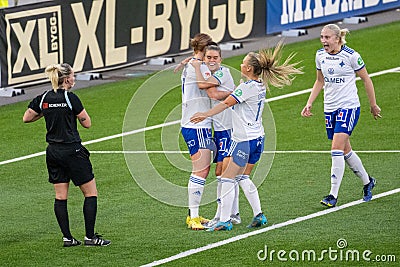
195,192
219,185
251,193
227,196
337,171
355,164
235,204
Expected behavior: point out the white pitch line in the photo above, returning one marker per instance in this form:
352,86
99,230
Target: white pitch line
264,152
266,229
96,140
305,91
23,158
393,70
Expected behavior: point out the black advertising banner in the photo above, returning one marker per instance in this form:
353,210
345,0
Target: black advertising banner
106,34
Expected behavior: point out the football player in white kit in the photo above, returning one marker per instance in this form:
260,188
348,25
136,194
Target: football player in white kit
219,86
198,137
337,67
247,143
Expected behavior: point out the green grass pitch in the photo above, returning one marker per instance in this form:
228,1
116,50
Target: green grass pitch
143,229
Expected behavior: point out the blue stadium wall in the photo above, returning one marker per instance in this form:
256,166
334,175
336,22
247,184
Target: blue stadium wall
100,35
295,14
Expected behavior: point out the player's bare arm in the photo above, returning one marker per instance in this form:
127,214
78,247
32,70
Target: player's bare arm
318,85
201,82
31,116
369,88
200,116
84,119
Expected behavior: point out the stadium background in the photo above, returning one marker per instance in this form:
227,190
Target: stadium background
377,218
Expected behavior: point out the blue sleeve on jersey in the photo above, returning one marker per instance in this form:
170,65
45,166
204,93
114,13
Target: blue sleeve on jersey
363,66
77,106
237,99
219,81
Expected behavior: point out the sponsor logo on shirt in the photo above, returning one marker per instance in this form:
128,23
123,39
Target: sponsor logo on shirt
58,105
219,74
238,92
334,80
360,61
45,105
332,58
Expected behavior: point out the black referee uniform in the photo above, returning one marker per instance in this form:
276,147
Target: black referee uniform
66,158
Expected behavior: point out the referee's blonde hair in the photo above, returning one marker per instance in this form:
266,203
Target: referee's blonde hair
266,63
340,33
56,74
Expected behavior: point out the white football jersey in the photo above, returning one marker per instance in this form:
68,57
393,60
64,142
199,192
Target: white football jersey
340,89
193,99
247,114
223,121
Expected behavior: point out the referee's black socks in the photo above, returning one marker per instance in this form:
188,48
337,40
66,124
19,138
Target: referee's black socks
89,213
61,212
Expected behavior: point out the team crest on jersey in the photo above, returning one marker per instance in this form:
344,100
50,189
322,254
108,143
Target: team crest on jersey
331,71
238,92
219,73
360,61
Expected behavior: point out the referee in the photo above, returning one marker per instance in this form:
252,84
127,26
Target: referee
66,158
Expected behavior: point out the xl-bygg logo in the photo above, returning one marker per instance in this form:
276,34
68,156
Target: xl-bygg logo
34,41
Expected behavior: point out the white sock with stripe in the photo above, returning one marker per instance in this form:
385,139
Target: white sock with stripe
195,192
235,205
337,171
355,164
219,185
251,193
227,196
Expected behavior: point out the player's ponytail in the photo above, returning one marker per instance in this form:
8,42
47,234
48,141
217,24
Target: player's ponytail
266,64
340,33
56,74
52,73
343,33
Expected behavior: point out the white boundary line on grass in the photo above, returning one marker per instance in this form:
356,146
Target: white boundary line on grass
264,152
266,229
393,70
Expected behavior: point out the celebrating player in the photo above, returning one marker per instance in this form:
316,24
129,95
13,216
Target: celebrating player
247,141
219,85
66,158
337,66
197,136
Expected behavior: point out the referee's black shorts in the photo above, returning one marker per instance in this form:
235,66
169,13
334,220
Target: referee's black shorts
66,162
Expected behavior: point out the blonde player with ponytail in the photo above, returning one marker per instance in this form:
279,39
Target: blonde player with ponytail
260,70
